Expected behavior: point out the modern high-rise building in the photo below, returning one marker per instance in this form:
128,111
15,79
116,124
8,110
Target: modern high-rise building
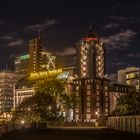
122,74
47,63
90,57
35,50
8,80
130,76
22,63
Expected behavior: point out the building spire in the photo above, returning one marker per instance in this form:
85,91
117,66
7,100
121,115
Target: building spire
90,26
39,33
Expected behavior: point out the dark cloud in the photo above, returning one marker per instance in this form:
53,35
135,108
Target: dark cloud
119,40
2,21
6,37
40,26
135,55
66,52
111,25
18,42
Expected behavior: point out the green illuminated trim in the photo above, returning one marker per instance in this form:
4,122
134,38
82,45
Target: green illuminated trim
24,57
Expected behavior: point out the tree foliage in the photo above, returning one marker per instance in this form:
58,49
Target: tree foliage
128,104
48,103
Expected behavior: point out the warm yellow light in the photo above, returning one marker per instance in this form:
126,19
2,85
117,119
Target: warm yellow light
45,74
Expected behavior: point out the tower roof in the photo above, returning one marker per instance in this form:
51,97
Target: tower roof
91,33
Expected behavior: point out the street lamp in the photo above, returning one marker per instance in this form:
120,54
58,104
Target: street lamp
22,122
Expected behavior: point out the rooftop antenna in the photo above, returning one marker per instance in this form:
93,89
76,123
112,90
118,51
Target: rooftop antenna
39,33
6,67
90,26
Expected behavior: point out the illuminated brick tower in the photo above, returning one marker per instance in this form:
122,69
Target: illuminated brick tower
90,57
90,85
35,50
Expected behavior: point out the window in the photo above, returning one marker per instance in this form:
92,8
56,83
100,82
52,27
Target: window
97,104
88,109
97,86
88,98
106,104
88,86
88,116
97,98
88,92
106,99
97,92
105,87
88,104
77,110
106,110
77,87
106,93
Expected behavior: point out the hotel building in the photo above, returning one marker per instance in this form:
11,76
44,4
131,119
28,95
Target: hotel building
91,86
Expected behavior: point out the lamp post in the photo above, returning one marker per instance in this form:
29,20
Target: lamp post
22,124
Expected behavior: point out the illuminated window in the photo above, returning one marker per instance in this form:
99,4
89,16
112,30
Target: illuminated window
88,92
106,110
97,104
97,86
97,92
88,116
77,110
88,98
97,98
77,87
88,109
88,104
88,86
105,87
106,93
106,104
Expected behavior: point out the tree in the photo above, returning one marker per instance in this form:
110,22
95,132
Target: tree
128,104
48,103
69,101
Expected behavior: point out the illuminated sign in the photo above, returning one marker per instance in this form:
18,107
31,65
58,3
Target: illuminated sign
23,57
44,74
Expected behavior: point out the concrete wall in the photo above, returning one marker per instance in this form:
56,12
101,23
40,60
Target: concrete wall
125,123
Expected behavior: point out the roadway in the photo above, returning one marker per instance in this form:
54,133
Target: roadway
68,134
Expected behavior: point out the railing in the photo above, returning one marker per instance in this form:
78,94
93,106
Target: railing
124,123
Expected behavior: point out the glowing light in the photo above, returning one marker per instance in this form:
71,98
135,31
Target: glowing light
45,74
22,122
23,57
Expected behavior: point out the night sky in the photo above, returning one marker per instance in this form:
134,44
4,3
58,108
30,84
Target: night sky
64,23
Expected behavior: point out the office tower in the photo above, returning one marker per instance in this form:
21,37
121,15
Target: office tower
90,57
35,50
8,80
47,63
21,64
130,76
